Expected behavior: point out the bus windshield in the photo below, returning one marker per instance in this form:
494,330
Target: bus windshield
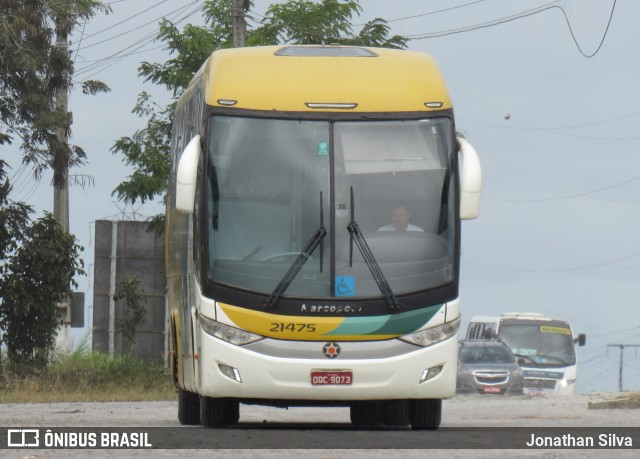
282,193
547,344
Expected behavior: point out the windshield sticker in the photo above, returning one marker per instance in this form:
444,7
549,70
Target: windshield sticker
525,352
345,286
323,148
549,329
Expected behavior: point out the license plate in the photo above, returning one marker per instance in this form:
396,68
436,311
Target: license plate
491,390
331,377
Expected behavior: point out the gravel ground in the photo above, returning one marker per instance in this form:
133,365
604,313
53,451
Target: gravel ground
296,424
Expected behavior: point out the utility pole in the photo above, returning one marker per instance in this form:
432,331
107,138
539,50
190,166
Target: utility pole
61,153
238,9
61,166
621,346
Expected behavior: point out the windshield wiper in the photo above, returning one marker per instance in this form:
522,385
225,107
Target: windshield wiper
369,259
316,240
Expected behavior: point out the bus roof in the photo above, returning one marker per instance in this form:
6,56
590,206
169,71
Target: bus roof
514,315
323,79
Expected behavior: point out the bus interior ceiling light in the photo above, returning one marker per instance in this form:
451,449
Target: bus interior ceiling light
230,372
334,105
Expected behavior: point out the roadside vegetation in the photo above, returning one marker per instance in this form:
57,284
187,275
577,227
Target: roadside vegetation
622,400
84,376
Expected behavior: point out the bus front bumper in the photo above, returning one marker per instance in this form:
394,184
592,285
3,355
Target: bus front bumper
226,370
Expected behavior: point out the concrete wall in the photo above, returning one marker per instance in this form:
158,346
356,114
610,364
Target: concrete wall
133,251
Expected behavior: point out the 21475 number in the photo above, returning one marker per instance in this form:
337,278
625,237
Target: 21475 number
281,327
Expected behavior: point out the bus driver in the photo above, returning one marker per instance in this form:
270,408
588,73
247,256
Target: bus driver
400,216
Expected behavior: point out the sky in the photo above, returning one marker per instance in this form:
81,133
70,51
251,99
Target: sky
546,91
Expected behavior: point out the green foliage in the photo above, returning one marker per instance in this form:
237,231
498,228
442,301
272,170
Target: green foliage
88,369
129,291
294,22
37,276
148,151
14,219
306,22
32,69
93,87
88,376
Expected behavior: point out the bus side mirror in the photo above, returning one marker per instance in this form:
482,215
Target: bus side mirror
470,181
581,339
186,176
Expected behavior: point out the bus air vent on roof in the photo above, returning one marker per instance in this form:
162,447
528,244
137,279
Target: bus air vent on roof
325,51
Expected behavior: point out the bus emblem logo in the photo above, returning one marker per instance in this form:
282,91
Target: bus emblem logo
331,350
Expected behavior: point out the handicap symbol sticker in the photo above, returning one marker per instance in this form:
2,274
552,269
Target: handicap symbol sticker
345,286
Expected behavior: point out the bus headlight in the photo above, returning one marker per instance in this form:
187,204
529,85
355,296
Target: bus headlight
433,335
226,333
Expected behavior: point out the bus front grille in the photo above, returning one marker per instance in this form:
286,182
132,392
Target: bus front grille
531,383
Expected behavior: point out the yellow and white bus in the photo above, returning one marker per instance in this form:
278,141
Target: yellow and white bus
313,235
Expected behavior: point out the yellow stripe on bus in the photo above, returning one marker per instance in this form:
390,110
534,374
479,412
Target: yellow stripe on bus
299,327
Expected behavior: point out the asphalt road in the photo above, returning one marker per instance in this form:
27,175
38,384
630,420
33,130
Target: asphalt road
472,426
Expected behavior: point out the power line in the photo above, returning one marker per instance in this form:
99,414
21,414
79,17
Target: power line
430,12
637,328
557,130
571,196
113,59
84,25
131,17
524,14
559,270
484,25
106,62
128,19
604,35
621,347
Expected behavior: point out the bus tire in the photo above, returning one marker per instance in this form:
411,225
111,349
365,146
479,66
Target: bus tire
397,413
219,412
188,408
365,414
425,414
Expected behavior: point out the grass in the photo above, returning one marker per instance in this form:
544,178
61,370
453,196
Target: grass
85,376
626,400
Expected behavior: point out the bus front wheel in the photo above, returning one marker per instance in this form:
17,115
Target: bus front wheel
397,413
365,414
219,412
425,414
188,408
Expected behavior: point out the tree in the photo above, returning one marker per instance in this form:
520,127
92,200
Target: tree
293,22
32,70
148,149
306,22
36,276
38,262
14,219
130,292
